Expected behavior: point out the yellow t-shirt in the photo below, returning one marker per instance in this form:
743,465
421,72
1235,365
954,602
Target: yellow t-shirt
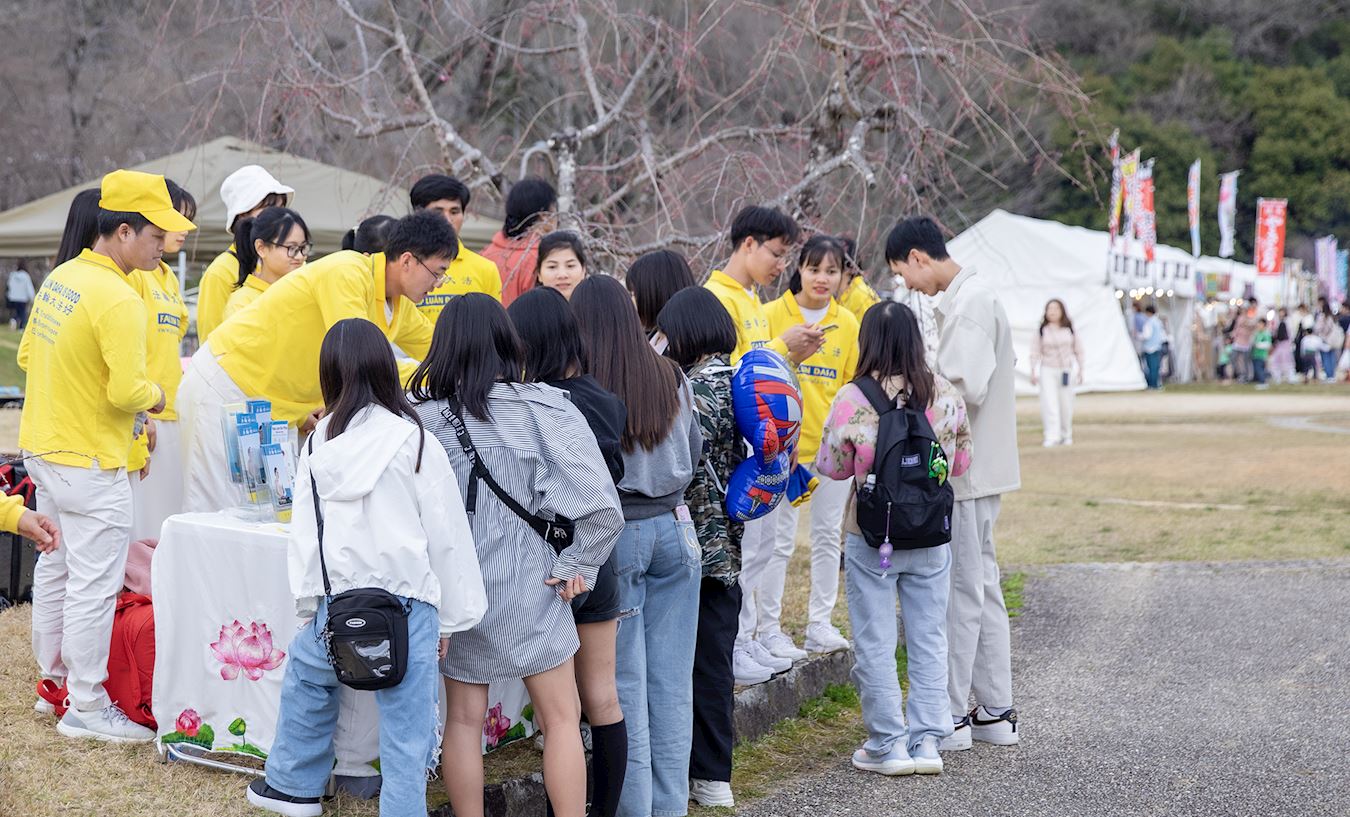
821,375
245,295
11,510
213,292
271,349
858,297
168,322
85,354
752,325
469,272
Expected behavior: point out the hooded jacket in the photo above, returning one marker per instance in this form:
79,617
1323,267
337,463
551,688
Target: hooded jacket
385,525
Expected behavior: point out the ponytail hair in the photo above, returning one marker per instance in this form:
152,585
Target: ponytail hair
270,226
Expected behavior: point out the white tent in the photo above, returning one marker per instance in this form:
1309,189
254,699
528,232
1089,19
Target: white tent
1029,261
332,200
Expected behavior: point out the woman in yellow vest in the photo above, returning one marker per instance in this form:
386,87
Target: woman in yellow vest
819,269
245,192
268,245
157,493
270,350
854,293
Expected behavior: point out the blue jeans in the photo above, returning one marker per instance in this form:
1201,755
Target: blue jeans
1259,370
1329,360
658,565
302,755
920,579
1152,363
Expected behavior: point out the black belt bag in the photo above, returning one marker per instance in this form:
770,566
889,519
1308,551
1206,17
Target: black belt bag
367,628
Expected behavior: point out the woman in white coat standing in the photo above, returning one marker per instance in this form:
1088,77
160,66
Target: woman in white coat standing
392,518
1057,367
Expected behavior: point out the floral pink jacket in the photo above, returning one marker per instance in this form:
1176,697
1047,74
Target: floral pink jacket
850,441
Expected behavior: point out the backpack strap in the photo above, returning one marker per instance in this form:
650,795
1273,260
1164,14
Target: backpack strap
875,395
318,522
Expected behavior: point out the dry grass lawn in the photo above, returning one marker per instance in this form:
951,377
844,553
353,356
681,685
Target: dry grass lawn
1187,474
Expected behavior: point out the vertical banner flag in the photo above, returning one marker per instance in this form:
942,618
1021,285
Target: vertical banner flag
1342,273
1113,216
1193,206
1129,179
1227,212
1325,251
1147,221
1270,236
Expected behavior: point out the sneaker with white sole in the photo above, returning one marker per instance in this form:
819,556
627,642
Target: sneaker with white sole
746,670
895,763
766,659
781,646
265,797
42,706
998,728
926,757
711,793
959,739
108,724
825,638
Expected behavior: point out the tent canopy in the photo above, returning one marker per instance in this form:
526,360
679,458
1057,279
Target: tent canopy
1029,261
332,200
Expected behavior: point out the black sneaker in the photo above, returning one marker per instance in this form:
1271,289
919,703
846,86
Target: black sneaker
265,797
998,728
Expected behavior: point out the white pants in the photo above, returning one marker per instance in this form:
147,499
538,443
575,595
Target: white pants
205,391
75,587
160,495
827,517
756,548
1057,406
979,655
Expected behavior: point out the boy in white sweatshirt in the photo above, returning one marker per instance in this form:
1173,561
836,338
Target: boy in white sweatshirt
975,353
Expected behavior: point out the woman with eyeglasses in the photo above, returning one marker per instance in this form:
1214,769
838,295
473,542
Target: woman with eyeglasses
271,349
269,245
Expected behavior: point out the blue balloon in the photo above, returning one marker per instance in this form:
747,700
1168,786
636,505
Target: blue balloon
768,406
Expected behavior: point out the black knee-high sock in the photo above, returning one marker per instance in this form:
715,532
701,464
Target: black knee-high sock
609,763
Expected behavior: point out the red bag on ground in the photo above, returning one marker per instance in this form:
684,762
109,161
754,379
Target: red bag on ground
131,662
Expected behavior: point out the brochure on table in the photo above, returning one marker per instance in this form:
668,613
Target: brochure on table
261,459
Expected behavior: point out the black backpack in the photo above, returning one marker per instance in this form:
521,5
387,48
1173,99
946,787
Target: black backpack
907,499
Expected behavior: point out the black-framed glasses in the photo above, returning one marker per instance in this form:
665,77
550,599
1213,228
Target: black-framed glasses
437,277
295,250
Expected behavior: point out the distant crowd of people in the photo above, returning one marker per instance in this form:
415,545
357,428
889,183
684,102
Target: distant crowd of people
1262,345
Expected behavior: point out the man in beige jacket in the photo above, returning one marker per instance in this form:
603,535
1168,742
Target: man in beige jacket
975,353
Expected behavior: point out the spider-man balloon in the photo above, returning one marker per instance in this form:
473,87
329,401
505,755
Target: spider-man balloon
768,406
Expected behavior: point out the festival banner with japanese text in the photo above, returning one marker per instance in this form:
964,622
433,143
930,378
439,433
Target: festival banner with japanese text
1270,217
1324,253
1146,218
1113,218
1227,213
1193,206
1129,179
1342,273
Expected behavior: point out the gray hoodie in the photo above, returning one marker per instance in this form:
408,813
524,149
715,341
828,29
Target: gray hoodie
654,481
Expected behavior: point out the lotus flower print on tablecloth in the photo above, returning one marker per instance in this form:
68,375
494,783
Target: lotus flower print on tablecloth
188,722
246,649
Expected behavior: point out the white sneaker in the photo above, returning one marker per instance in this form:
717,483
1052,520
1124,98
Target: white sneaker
108,724
781,646
926,757
1049,444
746,670
42,706
824,638
959,739
998,728
766,659
710,793
897,763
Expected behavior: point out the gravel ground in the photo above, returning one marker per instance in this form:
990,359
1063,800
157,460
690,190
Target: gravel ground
1149,689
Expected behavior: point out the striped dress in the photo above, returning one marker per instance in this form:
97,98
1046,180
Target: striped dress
540,450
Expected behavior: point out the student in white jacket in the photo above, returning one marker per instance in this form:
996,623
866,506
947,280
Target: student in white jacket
975,353
393,519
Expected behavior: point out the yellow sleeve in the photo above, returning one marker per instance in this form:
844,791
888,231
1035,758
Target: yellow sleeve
492,279
120,334
778,346
850,363
414,330
345,293
212,293
11,511
23,346
139,454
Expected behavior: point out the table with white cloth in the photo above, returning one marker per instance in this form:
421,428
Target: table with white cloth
224,620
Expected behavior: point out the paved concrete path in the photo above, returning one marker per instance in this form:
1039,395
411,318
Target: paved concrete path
1158,689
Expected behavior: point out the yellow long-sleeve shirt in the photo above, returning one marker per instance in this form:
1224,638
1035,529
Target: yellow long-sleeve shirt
213,292
85,354
469,272
821,375
752,325
271,349
11,510
244,295
858,297
167,323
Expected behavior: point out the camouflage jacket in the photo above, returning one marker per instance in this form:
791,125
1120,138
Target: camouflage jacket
723,450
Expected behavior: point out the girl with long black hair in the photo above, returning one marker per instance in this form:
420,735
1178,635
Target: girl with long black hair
537,449
392,518
269,245
658,553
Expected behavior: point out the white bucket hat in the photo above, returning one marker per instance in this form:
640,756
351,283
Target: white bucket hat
244,188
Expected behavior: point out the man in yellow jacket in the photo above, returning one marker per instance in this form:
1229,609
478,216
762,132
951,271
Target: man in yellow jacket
270,351
448,197
246,192
84,351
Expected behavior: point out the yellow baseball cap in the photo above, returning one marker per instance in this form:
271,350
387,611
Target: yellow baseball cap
127,191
